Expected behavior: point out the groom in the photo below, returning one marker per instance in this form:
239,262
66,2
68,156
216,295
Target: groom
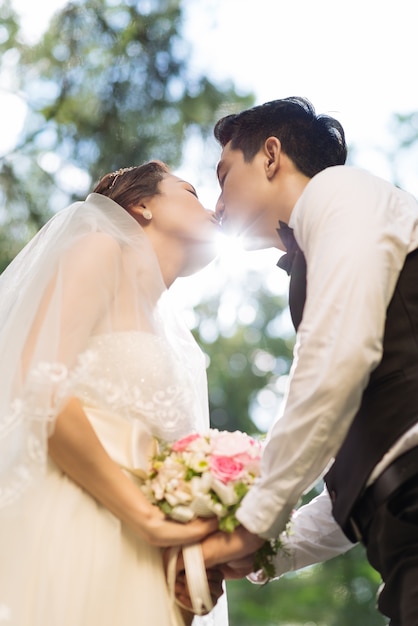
351,410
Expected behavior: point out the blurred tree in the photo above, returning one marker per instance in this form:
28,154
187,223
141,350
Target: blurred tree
249,353
340,592
405,128
404,153
108,85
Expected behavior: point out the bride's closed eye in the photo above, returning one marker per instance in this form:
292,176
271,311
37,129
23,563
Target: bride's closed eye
193,191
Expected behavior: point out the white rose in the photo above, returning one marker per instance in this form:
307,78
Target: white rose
226,492
182,513
203,506
200,484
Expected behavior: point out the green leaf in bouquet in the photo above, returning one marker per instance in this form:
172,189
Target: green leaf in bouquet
228,523
241,489
263,558
165,507
191,473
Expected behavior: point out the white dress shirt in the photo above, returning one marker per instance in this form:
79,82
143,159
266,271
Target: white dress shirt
355,231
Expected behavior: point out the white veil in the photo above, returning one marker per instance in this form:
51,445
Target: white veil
90,270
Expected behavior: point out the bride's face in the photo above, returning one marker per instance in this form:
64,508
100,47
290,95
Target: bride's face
178,217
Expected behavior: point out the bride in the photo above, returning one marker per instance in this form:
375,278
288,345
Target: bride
94,365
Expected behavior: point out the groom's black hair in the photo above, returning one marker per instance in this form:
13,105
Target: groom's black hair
313,142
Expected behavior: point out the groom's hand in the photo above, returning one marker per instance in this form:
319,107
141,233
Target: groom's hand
215,582
223,548
235,570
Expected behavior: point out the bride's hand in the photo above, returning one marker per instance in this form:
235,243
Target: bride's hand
223,548
161,532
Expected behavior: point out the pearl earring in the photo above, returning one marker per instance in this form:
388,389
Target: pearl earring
146,214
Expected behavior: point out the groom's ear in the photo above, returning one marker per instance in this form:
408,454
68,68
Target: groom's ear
272,151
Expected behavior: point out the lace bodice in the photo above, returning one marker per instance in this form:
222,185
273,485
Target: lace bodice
137,375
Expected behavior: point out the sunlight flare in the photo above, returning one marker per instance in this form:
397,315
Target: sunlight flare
228,247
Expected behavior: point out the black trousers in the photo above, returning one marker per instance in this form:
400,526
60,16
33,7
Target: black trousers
391,543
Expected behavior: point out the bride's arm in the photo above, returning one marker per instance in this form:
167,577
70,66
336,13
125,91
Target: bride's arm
76,449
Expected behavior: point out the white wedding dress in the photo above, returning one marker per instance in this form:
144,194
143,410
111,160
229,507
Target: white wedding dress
133,388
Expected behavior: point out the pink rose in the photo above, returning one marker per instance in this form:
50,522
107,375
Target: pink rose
225,469
247,459
182,444
251,463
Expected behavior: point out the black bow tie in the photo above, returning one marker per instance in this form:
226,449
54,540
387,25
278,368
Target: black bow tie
286,235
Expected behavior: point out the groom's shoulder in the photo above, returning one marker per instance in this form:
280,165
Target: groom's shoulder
329,183
339,174
345,180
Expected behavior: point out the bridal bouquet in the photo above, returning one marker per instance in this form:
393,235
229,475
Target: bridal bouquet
205,475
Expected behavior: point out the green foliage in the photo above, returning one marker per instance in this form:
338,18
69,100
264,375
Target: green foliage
264,557
340,592
245,359
405,127
9,27
191,473
229,523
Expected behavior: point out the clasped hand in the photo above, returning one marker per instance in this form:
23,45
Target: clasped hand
227,556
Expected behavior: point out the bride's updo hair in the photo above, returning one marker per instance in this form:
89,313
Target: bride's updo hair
130,185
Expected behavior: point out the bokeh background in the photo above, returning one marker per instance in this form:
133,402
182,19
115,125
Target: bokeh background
91,86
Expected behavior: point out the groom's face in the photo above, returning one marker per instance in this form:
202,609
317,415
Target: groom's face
242,206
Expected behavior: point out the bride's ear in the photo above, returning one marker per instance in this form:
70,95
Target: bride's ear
142,210
272,151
